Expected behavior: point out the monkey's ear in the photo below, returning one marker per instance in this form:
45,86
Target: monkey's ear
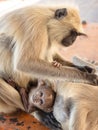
60,13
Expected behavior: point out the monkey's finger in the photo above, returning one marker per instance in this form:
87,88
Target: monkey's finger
23,95
56,64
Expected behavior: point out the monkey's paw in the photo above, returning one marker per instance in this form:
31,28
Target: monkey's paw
56,64
93,79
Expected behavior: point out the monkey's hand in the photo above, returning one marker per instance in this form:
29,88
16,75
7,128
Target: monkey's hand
24,98
93,78
56,64
22,92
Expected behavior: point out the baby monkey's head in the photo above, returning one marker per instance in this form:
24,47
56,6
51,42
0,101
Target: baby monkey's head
64,26
42,96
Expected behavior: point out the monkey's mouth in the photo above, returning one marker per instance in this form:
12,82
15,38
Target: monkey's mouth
70,39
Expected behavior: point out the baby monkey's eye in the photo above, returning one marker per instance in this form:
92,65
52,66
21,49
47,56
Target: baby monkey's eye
41,102
60,13
41,94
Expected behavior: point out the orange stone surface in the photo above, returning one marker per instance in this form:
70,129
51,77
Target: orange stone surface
20,121
85,47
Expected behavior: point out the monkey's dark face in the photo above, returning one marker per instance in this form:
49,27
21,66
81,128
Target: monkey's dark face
65,27
42,97
69,40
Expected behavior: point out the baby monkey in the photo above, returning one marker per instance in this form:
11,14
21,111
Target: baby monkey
39,94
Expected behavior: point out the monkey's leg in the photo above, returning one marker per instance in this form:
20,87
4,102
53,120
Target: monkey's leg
81,62
90,67
9,95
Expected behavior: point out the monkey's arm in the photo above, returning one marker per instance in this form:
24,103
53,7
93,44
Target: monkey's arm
9,95
77,62
43,69
31,64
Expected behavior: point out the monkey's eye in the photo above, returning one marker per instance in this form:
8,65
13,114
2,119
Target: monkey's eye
41,94
41,102
60,13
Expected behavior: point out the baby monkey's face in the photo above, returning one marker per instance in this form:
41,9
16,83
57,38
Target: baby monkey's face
42,96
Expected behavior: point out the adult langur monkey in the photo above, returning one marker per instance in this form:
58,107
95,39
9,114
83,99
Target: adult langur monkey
29,40
76,106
